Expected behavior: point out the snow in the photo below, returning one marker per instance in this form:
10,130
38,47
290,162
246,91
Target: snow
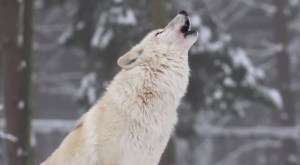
212,46
268,9
240,58
38,4
42,126
92,97
65,35
7,136
88,88
232,157
196,20
129,19
20,40
118,16
205,34
115,16
33,140
21,152
218,94
21,104
106,38
260,73
229,82
293,3
80,25
118,1
226,68
101,38
45,126
284,132
215,46
22,65
20,37
276,97
277,48
97,36
294,158
208,100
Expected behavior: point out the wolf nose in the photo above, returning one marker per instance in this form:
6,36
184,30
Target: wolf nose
183,13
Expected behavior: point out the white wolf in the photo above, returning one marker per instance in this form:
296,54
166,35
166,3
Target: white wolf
132,123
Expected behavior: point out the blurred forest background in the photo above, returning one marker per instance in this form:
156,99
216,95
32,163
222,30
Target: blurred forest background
243,100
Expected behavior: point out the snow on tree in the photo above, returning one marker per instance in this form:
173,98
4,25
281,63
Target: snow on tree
16,49
223,75
224,81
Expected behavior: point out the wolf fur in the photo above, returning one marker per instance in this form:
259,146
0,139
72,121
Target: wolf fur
132,122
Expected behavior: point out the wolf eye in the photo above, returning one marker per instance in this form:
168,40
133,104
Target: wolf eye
159,32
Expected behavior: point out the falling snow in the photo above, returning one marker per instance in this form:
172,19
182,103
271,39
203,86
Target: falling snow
80,25
118,1
22,65
21,152
21,105
205,34
20,40
236,135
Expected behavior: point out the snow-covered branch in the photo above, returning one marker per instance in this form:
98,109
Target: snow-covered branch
7,136
232,158
49,29
43,126
45,47
269,9
292,132
59,83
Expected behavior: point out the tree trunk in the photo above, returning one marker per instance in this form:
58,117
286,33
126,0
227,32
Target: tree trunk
16,40
159,13
289,147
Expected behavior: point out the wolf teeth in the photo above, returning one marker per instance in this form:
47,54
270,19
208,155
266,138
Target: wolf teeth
190,23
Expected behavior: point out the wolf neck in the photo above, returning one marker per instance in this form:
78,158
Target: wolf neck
154,88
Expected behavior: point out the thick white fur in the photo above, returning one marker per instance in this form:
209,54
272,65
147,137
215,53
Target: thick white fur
132,123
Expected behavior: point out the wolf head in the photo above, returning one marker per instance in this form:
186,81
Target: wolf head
174,40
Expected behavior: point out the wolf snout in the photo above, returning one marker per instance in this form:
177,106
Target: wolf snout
186,27
183,12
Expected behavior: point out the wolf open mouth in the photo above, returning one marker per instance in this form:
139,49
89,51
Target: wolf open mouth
186,28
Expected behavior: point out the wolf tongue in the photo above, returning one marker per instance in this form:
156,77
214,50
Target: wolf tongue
184,29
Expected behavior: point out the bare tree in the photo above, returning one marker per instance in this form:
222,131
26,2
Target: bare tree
281,19
16,40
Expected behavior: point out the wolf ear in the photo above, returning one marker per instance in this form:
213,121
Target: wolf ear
128,61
